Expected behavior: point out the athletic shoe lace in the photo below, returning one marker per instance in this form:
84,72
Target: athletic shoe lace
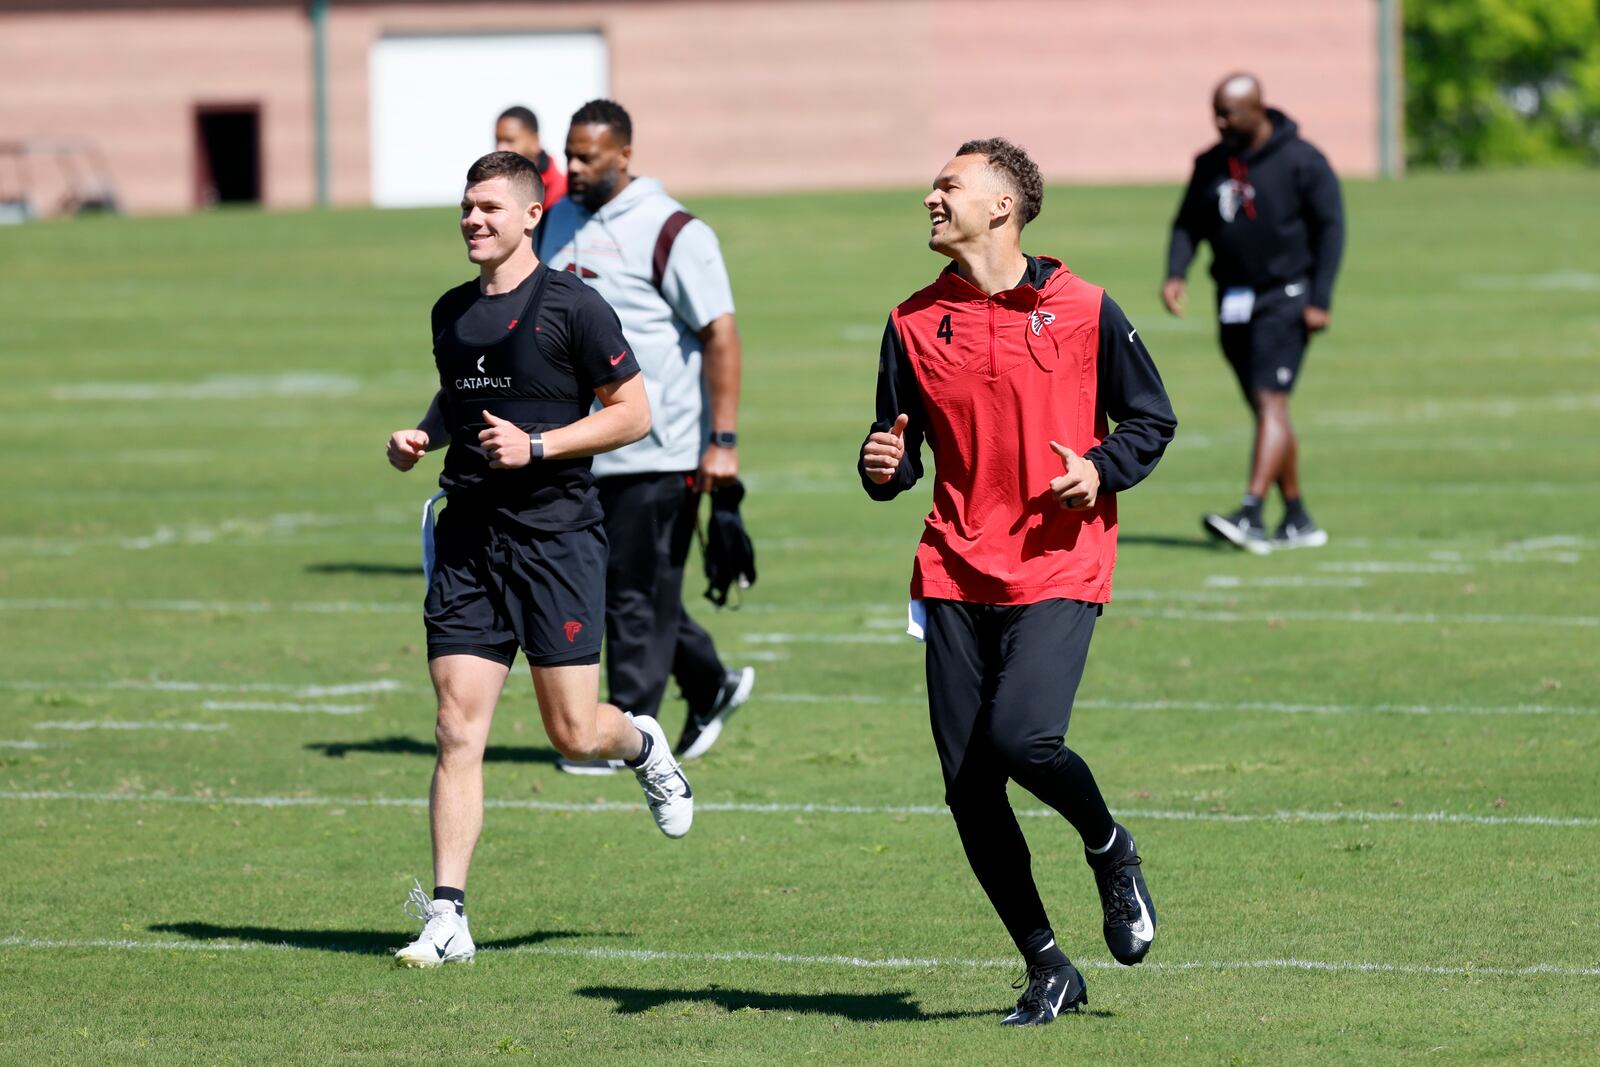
1034,998
419,906
661,781
1117,896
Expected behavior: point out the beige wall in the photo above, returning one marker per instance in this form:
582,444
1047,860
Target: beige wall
729,95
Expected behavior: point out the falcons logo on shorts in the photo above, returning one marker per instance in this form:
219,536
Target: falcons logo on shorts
1038,320
572,630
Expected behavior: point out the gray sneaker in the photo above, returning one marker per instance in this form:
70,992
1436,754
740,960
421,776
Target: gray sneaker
1239,530
704,726
1302,534
588,766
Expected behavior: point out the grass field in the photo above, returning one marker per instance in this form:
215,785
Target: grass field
1365,779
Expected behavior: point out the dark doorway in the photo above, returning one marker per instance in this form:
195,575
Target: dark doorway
227,154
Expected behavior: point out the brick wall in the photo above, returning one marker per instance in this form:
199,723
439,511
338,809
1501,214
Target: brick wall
726,94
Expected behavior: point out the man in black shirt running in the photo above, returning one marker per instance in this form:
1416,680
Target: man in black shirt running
519,555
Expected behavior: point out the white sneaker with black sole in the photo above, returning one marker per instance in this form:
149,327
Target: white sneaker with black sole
1239,530
1302,534
444,938
666,790
702,729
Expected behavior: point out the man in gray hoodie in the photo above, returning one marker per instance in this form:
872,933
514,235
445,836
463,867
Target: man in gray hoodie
662,270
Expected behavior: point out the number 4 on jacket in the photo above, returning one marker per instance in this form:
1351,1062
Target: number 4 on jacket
944,330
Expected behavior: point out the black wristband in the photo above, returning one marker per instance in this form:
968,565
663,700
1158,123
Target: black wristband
535,446
724,438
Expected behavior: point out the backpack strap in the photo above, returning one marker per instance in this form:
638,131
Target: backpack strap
664,242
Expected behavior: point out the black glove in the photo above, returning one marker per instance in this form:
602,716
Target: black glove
729,555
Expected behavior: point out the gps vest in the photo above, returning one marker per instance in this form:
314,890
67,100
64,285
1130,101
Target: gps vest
1001,377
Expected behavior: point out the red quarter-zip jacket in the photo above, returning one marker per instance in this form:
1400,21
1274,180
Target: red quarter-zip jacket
988,382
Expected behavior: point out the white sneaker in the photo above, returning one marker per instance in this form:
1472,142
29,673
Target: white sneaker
444,937
666,790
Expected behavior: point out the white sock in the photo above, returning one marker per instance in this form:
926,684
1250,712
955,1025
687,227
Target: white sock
1106,847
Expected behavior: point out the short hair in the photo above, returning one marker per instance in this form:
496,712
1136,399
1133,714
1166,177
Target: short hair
606,113
1020,172
523,174
522,115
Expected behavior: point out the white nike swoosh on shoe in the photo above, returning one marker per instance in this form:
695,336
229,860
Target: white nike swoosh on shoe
1055,1009
1144,929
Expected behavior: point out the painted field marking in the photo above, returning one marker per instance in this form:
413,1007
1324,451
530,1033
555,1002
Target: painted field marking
884,963
1364,617
1275,581
167,685
1263,615
1396,567
1276,707
113,724
300,709
606,807
255,607
23,744
287,385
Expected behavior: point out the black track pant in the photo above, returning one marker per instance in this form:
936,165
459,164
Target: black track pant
1001,680
649,521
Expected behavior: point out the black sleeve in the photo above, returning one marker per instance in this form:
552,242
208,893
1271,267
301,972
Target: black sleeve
1186,231
601,355
1325,226
897,395
1132,396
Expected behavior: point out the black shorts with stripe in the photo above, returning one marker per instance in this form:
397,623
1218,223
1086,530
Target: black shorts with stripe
498,585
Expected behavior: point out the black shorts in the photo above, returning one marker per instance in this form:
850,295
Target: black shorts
1002,676
1265,352
497,586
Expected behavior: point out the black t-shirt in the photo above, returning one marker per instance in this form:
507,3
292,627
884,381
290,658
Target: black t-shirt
533,356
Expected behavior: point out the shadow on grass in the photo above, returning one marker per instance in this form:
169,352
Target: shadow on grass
360,942
1210,544
410,746
858,1007
370,570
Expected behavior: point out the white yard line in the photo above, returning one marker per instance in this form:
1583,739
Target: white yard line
1364,617
1275,581
23,744
169,685
297,709
113,724
245,607
789,959
605,807
1276,707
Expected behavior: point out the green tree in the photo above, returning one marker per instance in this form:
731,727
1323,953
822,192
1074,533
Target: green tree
1502,81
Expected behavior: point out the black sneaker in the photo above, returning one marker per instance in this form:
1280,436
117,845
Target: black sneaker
1239,530
704,726
1130,914
1050,992
1299,533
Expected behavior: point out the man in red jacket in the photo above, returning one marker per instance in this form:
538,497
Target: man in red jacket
1009,367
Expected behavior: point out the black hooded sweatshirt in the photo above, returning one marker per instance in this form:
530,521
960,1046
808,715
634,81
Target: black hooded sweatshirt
1273,215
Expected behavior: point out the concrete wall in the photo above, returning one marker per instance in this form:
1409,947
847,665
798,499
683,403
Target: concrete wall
726,94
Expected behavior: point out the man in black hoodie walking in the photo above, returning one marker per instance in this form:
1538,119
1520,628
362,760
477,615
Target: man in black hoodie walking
1269,205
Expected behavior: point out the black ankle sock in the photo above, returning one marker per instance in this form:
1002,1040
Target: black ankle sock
645,745
1294,510
1048,955
1251,506
458,897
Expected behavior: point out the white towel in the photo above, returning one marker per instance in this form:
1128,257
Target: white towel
917,619
427,535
